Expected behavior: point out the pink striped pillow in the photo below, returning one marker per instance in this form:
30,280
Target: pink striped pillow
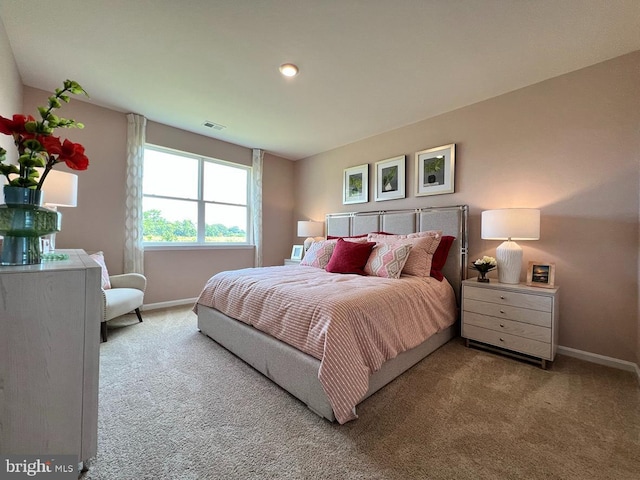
387,260
319,254
423,244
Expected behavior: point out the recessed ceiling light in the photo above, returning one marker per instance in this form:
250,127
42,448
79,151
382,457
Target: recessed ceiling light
288,70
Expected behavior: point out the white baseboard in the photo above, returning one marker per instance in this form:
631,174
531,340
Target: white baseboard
601,360
172,303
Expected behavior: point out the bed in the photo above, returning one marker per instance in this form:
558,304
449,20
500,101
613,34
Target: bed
307,369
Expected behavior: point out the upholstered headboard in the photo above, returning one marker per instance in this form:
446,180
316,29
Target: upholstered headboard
451,220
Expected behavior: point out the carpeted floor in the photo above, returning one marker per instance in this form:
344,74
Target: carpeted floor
175,405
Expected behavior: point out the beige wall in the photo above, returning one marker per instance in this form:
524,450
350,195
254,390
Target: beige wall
98,221
10,91
569,146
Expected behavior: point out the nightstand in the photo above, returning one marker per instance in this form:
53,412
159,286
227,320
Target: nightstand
517,320
288,261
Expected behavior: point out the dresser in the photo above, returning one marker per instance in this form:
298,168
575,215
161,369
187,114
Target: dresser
515,319
49,355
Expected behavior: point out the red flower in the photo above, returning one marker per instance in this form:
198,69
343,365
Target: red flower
73,155
50,144
16,125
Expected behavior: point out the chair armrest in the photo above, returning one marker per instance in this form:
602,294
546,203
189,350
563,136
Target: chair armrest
129,280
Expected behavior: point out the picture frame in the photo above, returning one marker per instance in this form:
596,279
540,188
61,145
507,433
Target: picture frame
390,178
540,274
355,184
435,170
296,252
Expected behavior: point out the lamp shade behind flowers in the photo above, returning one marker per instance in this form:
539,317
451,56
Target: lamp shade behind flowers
484,265
22,218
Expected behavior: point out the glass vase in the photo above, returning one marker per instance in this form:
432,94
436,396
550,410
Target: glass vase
482,277
23,220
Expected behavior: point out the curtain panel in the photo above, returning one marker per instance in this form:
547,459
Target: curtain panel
256,192
134,250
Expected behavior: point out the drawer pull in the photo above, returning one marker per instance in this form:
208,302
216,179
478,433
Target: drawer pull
501,325
501,297
501,311
502,339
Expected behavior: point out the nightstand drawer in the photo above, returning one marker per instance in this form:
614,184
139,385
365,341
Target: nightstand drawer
504,297
531,332
534,317
505,340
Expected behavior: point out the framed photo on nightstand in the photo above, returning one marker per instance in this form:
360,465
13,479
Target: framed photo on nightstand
297,252
541,274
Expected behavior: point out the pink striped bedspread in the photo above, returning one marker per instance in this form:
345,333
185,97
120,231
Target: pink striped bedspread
351,323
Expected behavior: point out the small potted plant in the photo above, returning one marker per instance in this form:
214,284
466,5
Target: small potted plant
483,266
23,220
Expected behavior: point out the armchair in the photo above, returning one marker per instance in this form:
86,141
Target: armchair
125,295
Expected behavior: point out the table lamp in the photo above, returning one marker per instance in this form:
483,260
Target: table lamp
60,190
510,224
310,230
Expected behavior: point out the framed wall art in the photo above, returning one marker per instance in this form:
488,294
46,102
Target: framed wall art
541,274
435,170
390,178
355,184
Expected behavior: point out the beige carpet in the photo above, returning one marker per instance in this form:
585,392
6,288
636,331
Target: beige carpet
176,405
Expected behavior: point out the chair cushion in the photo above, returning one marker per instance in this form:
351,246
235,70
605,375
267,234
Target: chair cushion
120,301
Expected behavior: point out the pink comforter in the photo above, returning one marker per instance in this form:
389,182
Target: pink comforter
351,323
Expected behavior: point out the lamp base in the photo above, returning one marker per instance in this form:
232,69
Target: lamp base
509,258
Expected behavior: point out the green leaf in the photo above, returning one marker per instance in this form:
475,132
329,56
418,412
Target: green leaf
9,169
54,102
23,182
33,145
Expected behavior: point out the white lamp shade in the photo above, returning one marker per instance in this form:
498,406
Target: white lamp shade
310,229
511,224
60,189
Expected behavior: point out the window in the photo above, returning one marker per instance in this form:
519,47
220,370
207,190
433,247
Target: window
194,200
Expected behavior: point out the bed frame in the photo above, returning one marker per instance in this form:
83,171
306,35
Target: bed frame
296,371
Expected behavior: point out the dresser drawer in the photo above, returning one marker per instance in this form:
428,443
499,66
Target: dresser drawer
532,332
503,297
505,340
534,317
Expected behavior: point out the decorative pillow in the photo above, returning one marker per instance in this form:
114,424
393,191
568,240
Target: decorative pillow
440,256
424,245
350,257
387,259
99,258
318,254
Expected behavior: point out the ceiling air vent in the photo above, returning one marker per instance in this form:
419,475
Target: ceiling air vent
215,126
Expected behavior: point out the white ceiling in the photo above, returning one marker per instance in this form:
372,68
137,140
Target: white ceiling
366,66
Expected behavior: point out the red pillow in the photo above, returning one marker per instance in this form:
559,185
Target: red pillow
440,256
349,257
